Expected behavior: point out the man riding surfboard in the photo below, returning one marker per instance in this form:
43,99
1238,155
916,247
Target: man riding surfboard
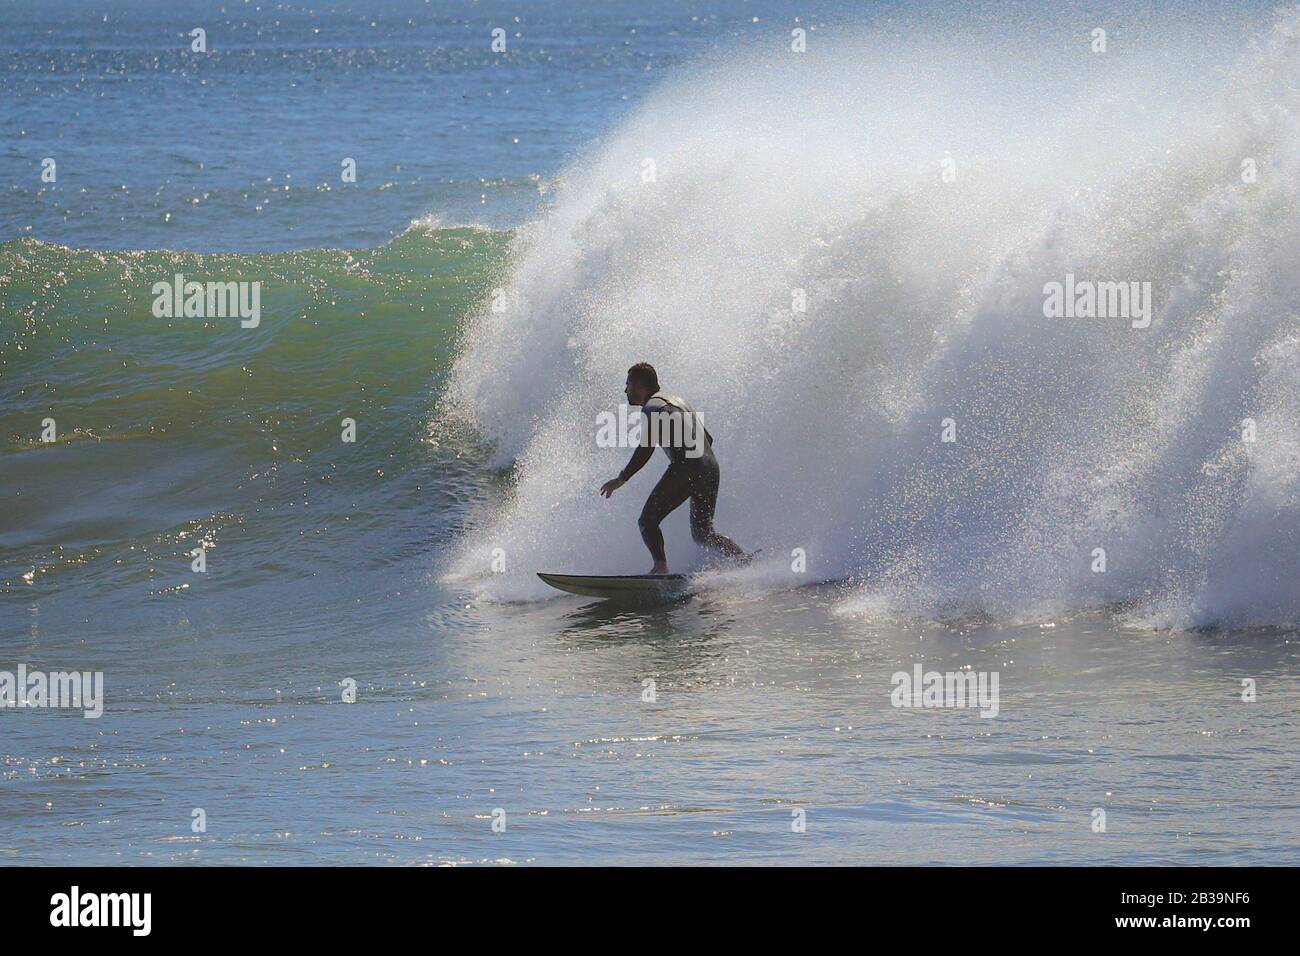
692,470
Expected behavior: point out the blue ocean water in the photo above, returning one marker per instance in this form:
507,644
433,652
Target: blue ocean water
240,148
367,670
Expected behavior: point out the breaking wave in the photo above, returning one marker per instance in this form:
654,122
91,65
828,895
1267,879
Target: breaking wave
920,187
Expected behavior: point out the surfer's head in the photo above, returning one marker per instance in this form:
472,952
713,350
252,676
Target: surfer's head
642,382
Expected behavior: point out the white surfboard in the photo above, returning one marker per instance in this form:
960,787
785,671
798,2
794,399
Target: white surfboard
653,587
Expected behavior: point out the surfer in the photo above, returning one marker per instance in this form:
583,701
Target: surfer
692,470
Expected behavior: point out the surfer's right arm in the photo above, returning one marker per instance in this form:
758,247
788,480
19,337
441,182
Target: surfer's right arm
639,458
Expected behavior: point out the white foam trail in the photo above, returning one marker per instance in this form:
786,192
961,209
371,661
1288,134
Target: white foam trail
823,172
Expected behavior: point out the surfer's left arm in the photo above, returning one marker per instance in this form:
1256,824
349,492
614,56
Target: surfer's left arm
639,458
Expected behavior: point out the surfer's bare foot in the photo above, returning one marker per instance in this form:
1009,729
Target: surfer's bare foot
661,567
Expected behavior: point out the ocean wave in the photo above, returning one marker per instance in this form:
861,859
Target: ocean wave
921,190
127,439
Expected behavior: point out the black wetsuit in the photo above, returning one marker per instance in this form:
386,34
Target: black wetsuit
692,473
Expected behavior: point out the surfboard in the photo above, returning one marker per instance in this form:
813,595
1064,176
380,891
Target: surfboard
654,587
626,587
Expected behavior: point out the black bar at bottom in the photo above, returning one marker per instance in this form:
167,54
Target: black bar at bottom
214,905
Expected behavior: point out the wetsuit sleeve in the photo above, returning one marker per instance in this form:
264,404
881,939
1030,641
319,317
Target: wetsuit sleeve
639,458
647,447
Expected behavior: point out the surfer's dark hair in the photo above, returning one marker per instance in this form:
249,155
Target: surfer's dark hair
644,373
